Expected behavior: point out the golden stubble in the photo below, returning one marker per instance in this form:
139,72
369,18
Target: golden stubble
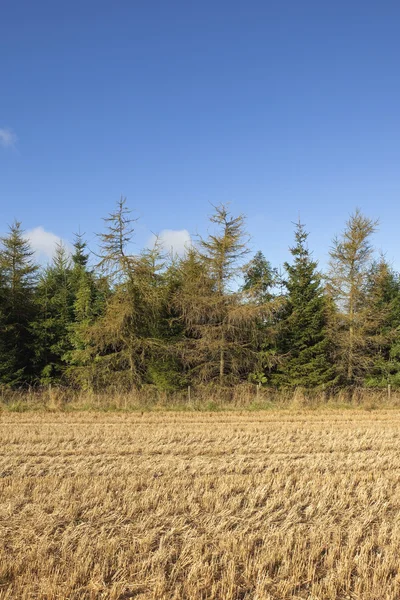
273,505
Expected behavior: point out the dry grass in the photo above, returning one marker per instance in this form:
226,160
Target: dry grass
245,396
200,506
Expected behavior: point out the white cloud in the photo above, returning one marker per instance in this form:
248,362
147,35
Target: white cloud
44,242
176,241
8,139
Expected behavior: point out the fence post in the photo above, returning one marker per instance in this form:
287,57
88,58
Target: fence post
189,394
389,391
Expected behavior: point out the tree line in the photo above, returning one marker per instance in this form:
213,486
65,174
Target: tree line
213,316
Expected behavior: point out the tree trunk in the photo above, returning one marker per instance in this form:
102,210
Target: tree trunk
222,361
350,369
350,361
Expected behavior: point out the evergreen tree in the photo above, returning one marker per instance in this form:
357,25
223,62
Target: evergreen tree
55,300
383,300
259,279
3,321
80,256
304,343
18,278
87,289
89,297
146,319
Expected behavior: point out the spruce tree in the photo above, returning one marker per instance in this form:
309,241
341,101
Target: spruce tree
89,297
18,310
304,344
55,300
88,290
383,305
259,278
3,313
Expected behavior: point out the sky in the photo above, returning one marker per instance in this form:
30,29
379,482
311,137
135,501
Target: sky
284,109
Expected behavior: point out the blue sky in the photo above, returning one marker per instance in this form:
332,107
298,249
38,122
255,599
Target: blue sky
280,108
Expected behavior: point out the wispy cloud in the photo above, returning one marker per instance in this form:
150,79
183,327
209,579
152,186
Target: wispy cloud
44,243
8,139
176,241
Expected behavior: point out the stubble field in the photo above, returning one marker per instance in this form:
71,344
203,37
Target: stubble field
217,506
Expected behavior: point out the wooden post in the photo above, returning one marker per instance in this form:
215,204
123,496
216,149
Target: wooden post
189,394
389,390
258,389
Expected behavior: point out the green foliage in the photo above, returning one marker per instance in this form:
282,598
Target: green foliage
18,275
303,343
258,378
383,301
54,300
259,279
166,374
89,297
204,318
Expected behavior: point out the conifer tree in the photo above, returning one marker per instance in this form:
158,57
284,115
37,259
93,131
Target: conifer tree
220,327
142,318
115,243
80,256
89,296
383,305
18,279
353,326
193,287
259,278
304,343
3,313
128,334
156,283
87,289
54,298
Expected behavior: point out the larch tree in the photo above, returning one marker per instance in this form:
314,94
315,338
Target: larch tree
123,340
220,326
353,326
192,289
